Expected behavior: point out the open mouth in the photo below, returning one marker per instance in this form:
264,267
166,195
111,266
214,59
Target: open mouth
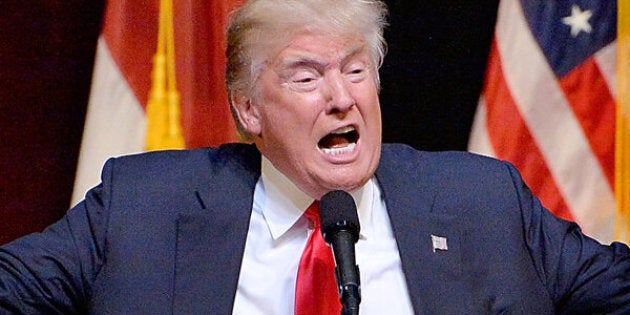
340,141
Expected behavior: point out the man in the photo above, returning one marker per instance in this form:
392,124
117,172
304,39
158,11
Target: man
218,231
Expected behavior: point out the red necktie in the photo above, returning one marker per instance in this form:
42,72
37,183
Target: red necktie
316,289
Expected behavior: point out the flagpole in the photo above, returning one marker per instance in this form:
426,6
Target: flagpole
163,107
622,134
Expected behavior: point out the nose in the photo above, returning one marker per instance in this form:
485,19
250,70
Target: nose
339,98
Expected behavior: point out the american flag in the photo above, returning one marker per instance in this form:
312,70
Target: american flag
548,105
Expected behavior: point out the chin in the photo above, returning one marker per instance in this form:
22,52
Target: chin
347,183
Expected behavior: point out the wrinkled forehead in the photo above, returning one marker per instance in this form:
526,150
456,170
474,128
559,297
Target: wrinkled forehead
308,48
293,46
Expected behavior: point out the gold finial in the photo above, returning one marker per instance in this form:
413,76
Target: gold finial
163,109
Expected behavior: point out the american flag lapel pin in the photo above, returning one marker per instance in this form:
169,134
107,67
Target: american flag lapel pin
439,243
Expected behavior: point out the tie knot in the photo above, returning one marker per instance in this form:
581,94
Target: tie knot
312,213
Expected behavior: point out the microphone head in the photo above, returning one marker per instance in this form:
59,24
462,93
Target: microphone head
338,212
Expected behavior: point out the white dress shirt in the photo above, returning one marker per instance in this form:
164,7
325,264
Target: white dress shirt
278,233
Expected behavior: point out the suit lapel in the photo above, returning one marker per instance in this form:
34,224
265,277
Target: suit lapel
211,240
432,270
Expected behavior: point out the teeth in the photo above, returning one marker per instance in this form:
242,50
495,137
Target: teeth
343,150
343,130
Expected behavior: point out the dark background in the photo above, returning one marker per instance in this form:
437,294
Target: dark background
431,81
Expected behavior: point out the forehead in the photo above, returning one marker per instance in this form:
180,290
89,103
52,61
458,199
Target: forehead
309,47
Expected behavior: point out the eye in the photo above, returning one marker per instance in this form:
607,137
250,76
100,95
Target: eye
306,79
356,72
303,80
302,76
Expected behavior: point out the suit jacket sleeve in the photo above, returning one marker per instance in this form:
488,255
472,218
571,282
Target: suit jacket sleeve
582,276
51,272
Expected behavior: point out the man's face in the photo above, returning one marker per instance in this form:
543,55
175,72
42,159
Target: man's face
316,111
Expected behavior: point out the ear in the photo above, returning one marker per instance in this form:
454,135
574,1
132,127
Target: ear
247,113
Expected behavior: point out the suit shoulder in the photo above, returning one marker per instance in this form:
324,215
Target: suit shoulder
398,156
402,165
178,164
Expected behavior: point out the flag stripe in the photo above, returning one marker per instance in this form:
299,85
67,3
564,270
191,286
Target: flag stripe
507,130
479,137
130,31
583,87
114,123
200,59
606,62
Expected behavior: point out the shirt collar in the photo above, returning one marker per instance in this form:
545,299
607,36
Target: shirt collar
285,202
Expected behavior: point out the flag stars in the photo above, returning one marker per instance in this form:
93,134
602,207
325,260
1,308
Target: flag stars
578,20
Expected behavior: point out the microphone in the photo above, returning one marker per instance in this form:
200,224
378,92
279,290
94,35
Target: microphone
340,228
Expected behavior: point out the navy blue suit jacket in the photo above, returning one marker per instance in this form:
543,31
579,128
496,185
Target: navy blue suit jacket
164,233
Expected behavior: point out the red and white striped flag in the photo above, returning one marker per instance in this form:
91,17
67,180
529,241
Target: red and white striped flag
115,122
548,105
